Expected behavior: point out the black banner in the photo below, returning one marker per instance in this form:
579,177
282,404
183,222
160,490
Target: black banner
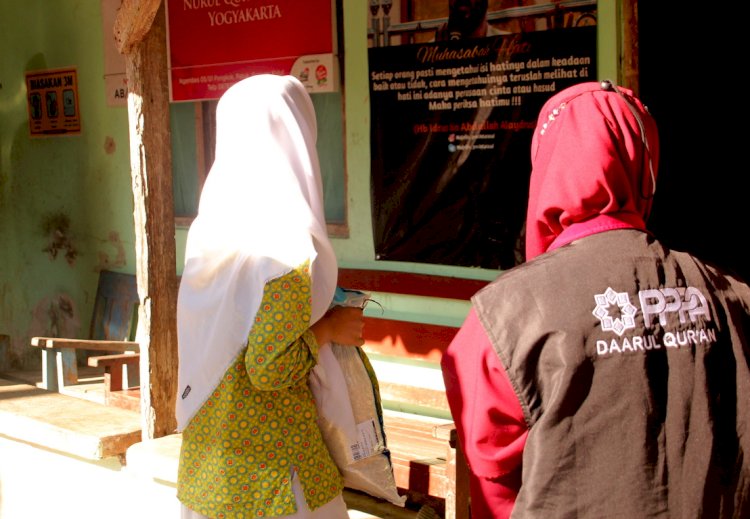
451,133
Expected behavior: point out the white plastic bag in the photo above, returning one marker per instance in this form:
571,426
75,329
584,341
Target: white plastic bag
350,415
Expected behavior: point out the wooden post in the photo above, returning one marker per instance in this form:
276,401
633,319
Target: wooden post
630,52
140,31
4,352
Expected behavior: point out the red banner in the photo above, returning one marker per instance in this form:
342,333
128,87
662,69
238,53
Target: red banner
215,43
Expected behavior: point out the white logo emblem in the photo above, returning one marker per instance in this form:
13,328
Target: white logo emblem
618,323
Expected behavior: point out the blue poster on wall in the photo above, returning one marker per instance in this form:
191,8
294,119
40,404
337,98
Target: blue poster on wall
450,139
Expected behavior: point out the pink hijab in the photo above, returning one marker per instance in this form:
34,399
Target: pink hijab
594,157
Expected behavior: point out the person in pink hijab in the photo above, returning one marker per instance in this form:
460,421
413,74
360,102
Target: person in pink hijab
608,376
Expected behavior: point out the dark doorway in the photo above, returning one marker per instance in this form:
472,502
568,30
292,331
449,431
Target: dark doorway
689,78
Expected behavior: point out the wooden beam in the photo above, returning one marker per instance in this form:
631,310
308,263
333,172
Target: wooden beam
133,22
151,172
410,283
630,51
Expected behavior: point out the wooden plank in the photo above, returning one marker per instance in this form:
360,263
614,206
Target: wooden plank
129,399
413,395
67,424
409,283
115,307
419,341
113,370
457,470
59,368
420,477
411,447
378,508
115,360
84,344
120,389
419,458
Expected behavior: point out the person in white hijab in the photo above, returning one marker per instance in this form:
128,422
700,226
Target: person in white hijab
252,310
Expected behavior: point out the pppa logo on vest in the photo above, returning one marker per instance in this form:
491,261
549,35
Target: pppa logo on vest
617,314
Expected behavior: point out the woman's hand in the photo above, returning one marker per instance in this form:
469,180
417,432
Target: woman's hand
342,325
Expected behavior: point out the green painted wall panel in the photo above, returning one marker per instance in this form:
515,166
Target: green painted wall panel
65,202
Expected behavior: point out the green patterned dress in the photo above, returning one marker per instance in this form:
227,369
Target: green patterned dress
259,424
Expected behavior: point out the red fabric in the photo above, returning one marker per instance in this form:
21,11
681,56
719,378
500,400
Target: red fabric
489,419
594,158
590,167
494,498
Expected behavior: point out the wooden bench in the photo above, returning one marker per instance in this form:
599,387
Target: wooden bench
111,335
118,390
428,463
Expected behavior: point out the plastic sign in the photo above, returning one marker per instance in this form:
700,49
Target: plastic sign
53,102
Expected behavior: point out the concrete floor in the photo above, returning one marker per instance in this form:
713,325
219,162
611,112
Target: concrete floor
91,387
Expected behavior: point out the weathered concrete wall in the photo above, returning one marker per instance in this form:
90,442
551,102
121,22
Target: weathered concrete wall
65,202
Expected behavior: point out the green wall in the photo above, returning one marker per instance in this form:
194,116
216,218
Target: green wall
80,185
69,194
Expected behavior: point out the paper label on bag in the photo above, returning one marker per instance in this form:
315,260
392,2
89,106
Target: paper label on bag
369,441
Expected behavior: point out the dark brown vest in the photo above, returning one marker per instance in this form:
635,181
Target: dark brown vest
631,363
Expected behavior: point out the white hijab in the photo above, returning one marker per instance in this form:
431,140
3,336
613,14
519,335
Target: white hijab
260,215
